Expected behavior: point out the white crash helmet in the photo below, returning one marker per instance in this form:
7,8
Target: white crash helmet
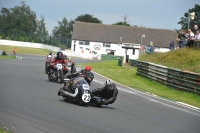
108,85
108,82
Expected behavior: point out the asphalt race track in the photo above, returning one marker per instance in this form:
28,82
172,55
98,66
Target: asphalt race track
29,104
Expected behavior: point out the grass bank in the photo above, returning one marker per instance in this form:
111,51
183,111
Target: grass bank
7,57
24,50
184,59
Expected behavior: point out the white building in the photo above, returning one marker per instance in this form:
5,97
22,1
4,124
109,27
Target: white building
90,40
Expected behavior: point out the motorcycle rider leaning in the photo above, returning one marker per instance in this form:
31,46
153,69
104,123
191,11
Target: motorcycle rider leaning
71,84
108,92
82,72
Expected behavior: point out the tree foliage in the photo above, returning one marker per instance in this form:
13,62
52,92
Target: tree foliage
41,30
122,23
18,22
88,18
63,31
184,20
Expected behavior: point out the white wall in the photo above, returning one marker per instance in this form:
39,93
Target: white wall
28,44
162,49
86,54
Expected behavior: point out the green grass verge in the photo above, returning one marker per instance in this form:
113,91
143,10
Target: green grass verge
24,50
4,131
7,57
127,75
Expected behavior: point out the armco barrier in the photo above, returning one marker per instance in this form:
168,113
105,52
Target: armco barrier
175,78
133,62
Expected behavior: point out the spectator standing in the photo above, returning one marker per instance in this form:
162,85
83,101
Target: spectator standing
172,45
189,38
198,35
196,40
182,39
149,49
152,48
15,50
196,28
141,49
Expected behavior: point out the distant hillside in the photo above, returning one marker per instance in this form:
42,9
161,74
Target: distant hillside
184,59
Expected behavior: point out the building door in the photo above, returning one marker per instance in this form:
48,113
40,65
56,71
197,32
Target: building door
127,58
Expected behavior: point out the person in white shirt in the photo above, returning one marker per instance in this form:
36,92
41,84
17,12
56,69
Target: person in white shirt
197,35
196,39
190,37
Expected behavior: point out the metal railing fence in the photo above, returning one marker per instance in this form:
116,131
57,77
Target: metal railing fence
175,78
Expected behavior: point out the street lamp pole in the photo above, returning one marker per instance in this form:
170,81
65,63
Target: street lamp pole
188,20
190,17
143,36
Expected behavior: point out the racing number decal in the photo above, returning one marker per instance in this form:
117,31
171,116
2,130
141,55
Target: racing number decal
59,66
86,98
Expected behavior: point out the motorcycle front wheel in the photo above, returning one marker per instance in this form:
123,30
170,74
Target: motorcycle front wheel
60,76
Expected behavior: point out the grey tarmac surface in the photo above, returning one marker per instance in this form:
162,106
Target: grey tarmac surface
29,104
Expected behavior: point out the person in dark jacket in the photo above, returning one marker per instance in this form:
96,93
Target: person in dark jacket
109,92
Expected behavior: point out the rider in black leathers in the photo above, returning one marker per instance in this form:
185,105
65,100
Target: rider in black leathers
108,92
71,84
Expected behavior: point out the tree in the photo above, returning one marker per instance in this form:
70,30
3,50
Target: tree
184,20
125,17
18,21
88,18
62,33
41,31
122,23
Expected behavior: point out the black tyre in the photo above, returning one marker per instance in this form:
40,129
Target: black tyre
60,76
49,77
98,105
81,103
46,71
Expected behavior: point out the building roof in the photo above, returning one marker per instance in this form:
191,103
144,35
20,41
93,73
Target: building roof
112,34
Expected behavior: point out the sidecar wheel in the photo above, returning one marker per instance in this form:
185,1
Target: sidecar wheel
81,103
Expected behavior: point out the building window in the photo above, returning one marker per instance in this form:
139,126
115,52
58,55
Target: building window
84,42
81,42
87,43
106,44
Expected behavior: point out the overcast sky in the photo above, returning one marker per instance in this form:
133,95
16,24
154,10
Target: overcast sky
161,14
